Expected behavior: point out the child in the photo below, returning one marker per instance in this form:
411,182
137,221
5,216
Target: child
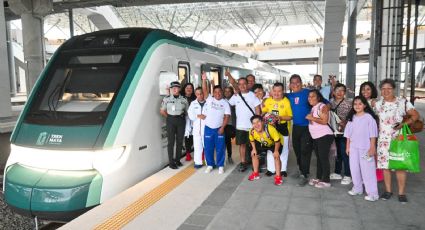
361,133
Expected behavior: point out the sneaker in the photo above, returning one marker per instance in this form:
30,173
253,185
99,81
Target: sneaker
371,198
284,174
335,176
209,169
242,167
386,195
278,180
346,180
313,182
268,173
254,176
230,160
402,199
178,163
322,184
220,170
188,156
302,181
197,166
354,193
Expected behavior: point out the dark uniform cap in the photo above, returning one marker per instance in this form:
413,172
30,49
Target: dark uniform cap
175,84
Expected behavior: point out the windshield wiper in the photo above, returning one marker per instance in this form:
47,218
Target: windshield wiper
57,91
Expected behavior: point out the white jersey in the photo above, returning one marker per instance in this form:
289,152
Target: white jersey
215,111
243,113
198,124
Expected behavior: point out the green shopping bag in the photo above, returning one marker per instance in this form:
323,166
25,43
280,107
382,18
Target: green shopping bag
404,152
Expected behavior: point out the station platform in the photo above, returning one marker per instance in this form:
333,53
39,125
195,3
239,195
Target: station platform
189,199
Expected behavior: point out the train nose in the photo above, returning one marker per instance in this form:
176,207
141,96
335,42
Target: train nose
51,194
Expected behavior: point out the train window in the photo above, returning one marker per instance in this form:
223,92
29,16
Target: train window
79,87
184,72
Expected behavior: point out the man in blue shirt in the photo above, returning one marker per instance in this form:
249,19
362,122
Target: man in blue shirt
301,138
326,90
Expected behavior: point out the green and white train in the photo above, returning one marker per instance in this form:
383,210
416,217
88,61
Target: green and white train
91,127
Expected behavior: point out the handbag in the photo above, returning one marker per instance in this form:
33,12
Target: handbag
404,151
417,125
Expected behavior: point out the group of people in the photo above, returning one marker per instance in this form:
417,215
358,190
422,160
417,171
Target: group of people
315,119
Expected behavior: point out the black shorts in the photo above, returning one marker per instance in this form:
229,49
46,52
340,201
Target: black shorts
262,150
242,137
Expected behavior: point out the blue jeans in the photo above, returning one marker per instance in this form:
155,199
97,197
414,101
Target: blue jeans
342,157
214,140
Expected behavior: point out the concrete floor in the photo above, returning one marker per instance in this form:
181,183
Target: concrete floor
241,204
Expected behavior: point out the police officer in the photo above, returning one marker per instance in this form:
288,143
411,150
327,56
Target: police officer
173,108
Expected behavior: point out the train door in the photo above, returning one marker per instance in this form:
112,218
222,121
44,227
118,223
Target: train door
214,73
184,72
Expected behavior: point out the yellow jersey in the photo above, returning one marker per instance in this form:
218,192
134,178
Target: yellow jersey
267,139
277,108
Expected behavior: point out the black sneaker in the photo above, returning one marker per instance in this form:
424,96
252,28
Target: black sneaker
178,163
402,199
230,160
242,167
268,173
302,181
386,195
284,174
173,166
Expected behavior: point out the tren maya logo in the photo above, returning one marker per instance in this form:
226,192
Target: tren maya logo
51,139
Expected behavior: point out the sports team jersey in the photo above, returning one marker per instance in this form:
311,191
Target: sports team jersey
300,106
278,108
267,140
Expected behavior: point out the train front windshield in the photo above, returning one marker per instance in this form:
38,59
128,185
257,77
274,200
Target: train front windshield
80,87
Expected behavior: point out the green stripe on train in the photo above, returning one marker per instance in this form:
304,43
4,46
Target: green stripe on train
57,137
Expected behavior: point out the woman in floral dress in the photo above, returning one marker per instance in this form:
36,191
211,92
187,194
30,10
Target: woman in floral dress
391,110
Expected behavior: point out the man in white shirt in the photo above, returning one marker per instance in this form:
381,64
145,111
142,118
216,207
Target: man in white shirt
217,112
246,105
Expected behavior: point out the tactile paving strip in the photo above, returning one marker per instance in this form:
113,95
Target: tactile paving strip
123,217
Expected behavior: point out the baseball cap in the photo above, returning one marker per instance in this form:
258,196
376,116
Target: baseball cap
175,84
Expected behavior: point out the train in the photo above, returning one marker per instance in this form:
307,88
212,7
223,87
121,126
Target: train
91,126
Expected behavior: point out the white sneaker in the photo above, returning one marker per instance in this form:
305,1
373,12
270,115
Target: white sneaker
346,180
335,176
220,170
209,169
353,193
371,198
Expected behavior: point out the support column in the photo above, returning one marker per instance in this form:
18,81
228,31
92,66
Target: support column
334,22
32,28
373,44
32,13
5,104
12,73
350,79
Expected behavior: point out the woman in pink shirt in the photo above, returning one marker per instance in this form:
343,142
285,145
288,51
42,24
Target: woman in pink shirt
322,136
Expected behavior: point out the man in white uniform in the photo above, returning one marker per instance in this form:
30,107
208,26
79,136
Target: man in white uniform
196,114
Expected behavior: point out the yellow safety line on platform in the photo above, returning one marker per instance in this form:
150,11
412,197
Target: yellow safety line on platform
123,217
